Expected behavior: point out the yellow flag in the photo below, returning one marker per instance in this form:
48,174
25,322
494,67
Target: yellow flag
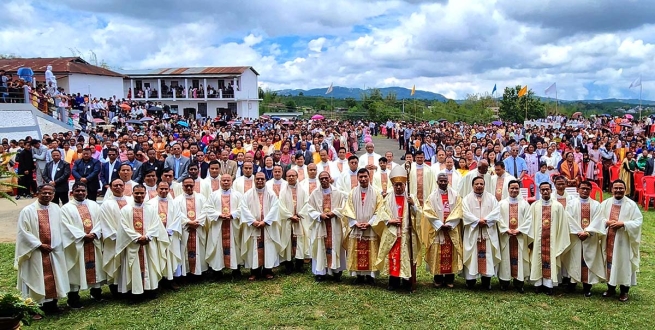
413,90
523,91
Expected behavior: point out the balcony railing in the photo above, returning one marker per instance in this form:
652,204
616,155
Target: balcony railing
179,95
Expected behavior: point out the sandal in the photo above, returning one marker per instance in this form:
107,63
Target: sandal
252,278
270,276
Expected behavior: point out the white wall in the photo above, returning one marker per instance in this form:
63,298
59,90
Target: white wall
246,111
211,105
249,88
100,86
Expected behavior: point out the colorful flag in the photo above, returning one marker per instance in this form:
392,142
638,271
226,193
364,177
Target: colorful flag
523,91
494,90
552,89
413,91
636,83
329,90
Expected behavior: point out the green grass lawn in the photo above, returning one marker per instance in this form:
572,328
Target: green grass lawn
298,302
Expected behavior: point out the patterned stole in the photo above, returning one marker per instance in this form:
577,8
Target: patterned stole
152,193
89,248
363,248
301,174
327,241
446,248
171,191
353,181
276,189
294,238
260,238
585,212
128,189
340,167
450,178
611,235
394,253
162,209
46,238
196,186
383,176
121,203
247,184
191,242
226,228
312,187
562,201
499,188
513,240
545,241
419,185
215,184
482,250
371,161
137,223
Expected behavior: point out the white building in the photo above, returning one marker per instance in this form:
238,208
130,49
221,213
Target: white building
201,91
73,74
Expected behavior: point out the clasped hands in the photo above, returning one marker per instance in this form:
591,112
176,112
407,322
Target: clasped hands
614,224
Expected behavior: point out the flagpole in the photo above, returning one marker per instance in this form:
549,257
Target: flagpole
640,89
556,101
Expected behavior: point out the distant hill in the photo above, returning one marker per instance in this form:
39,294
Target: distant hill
356,93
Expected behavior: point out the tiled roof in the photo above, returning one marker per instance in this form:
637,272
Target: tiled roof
228,70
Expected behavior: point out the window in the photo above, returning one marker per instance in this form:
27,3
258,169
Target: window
174,84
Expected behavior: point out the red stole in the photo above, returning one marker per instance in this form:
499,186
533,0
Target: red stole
585,214
216,183
394,253
191,242
137,223
260,239
446,249
611,235
499,188
312,187
162,209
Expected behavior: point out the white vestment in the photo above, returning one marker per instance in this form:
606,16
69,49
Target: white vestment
209,185
522,221
173,219
504,191
345,183
559,242
201,233
288,228
589,250
216,249
269,212
273,183
455,178
110,220
472,212
466,184
240,186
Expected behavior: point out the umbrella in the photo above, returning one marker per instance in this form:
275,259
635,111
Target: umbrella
134,121
247,122
265,117
98,120
317,117
231,122
431,122
626,124
275,118
147,119
442,119
497,122
577,114
183,123
628,116
125,106
606,115
154,108
222,123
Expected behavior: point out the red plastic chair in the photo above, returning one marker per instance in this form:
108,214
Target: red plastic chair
639,189
594,185
596,193
599,178
648,182
528,182
614,172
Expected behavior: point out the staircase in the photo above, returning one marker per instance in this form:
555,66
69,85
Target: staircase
18,120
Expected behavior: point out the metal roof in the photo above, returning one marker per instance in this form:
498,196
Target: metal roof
228,70
60,66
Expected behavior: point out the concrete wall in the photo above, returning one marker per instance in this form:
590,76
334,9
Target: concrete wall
20,120
97,86
248,88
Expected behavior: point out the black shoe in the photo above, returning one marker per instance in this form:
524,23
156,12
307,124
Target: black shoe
611,292
537,289
236,274
570,288
370,280
288,268
337,277
358,280
549,291
504,285
470,284
486,283
319,278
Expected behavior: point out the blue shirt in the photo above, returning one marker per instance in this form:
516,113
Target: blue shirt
521,166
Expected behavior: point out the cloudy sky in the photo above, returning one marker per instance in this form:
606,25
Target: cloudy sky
593,49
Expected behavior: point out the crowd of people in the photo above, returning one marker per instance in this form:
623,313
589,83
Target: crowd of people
181,201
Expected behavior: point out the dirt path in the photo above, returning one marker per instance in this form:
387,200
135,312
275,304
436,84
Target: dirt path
9,211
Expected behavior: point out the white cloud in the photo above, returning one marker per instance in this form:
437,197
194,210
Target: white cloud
450,47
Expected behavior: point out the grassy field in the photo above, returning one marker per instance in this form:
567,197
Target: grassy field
298,302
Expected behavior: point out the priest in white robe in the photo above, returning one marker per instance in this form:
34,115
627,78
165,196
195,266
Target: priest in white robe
326,231
341,164
311,182
500,182
224,209
560,193
110,220
260,223
441,233
466,184
369,160
245,182
381,178
326,165
125,173
514,237
82,235
454,177
213,181
400,245
194,232
481,248
150,182
175,188
39,257
293,225
277,184
423,182
141,242
348,179
171,218
583,261
550,232
364,218
299,167
622,236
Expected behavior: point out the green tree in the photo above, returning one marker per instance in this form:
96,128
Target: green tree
514,108
290,104
350,102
